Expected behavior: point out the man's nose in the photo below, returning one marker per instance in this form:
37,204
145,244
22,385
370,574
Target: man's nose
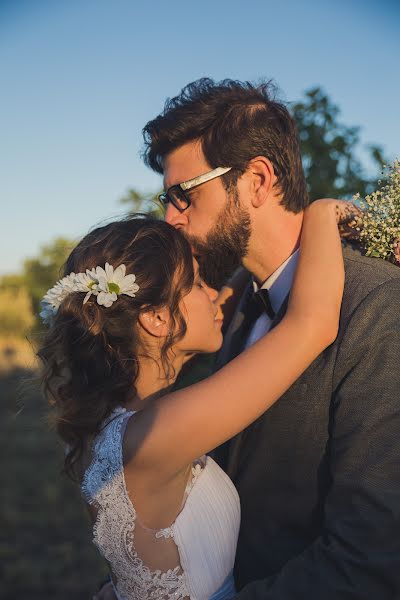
175,217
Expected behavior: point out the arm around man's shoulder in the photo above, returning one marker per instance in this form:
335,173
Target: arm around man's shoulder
372,327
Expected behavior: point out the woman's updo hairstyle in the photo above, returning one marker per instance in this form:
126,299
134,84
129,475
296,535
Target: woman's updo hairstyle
90,353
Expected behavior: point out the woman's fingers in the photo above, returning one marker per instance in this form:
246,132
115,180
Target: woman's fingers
349,218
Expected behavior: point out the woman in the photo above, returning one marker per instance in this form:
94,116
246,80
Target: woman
165,516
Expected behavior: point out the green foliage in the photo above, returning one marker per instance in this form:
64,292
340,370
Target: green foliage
16,315
41,272
139,202
329,149
38,275
12,282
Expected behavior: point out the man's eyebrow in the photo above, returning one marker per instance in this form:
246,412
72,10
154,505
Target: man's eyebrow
176,182
166,187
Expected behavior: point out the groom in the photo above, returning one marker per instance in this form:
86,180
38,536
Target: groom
319,473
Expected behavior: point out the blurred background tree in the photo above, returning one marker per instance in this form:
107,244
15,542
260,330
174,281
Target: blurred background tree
38,275
331,163
16,314
140,202
329,150
42,271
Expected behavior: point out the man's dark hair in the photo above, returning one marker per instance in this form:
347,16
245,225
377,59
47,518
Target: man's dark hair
234,121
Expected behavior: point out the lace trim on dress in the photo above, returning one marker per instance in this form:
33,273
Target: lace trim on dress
104,487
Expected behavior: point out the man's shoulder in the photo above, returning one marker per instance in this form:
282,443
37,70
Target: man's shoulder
365,274
369,322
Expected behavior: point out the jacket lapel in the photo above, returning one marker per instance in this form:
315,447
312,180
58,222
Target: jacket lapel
237,452
233,339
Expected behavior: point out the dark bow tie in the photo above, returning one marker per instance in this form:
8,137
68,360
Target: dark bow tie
260,303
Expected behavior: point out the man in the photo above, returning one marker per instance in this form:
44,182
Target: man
318,474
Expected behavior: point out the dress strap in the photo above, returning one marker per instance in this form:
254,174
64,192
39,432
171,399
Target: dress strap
106,456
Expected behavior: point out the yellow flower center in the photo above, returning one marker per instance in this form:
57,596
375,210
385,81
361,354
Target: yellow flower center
114,287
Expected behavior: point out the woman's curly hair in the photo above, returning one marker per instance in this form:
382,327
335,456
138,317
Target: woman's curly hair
90,354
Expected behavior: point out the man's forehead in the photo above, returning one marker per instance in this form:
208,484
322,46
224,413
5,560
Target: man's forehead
184,163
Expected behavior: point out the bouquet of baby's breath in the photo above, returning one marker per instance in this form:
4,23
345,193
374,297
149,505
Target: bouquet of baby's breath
380,229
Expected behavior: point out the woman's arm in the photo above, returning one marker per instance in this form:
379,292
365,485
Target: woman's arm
185,424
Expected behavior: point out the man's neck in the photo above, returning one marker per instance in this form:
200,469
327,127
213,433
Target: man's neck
269,247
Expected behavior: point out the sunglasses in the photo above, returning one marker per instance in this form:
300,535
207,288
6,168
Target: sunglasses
176,193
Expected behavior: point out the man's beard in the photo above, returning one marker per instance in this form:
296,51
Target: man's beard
225,246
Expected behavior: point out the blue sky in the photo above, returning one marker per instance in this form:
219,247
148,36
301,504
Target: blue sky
80,78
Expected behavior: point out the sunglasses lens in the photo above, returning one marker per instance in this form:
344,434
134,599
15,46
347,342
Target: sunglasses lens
163,199
176,196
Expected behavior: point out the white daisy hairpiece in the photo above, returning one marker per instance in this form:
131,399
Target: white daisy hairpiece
106,284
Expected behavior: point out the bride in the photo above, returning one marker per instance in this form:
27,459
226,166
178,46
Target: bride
128,314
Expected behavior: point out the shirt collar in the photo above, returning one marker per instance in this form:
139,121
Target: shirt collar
279,283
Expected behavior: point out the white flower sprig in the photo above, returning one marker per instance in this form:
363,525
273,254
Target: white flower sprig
106,284
380,230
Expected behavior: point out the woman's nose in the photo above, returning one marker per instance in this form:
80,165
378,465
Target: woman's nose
212,293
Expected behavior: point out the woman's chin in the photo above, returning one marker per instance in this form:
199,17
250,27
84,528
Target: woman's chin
218,343
211,345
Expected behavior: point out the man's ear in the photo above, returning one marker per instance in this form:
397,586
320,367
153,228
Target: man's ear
262,174
155,321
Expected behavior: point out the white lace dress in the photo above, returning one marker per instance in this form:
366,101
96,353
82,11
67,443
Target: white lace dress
192,558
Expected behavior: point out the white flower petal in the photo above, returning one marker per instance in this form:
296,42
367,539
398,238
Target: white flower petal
91,275
87,296
109,272
131,290
101,297
83,283
119,274
127,282
106,299
102,285
129,293
101,273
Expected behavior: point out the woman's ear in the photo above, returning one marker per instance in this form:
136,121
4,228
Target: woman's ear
155,321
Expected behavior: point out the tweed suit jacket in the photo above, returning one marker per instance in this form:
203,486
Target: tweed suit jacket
318,474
